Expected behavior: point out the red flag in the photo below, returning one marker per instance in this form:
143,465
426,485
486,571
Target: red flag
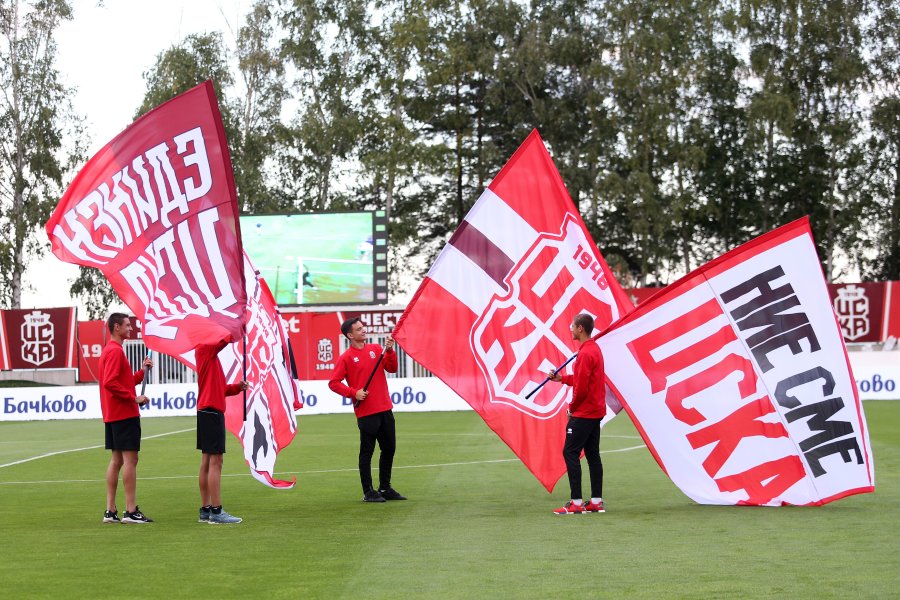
156,211
492,316
273,395
738,379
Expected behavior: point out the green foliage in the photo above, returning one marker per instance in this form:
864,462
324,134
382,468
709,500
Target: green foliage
259,108
35,121
682,128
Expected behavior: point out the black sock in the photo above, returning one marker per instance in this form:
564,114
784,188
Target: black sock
206,508
216,510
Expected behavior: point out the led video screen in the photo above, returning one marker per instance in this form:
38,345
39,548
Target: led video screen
324,258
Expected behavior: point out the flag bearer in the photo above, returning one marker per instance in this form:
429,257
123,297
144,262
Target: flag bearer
120,406
585,413
211,393
373,406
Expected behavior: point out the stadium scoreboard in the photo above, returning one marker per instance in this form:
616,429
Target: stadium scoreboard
320,258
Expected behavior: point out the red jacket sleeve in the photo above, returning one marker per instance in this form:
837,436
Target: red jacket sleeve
336,383
138,376
233,389
109,379
390,361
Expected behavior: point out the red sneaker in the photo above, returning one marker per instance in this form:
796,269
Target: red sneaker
590,507
570,509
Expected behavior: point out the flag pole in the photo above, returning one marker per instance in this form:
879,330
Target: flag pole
245,374
371,375
563,366
146,373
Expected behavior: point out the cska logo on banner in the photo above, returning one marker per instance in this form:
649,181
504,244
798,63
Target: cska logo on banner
37,338
324,350
738,379
273,395
521,332
155,210
500,298
852,309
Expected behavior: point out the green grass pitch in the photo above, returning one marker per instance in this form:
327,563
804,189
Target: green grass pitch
331,246
477,524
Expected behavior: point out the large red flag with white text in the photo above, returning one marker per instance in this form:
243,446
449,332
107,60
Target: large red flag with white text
492,316
156,211
273,395
738,379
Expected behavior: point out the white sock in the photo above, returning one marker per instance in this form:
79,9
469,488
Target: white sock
596,500
578,502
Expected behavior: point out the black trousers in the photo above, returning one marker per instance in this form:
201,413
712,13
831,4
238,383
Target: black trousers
376,428
583,434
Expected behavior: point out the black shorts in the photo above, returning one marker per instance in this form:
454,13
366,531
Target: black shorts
210,431
124,435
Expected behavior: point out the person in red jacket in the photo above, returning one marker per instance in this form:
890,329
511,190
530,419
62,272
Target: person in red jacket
211,393
587,409
373,406
120,406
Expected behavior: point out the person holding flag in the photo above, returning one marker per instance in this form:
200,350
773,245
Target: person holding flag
211,393
363,366
120,406
587,409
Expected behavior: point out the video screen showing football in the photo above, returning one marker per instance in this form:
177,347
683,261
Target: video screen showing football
324,258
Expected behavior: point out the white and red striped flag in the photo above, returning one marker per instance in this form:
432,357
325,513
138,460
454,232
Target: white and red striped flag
738,379
492,316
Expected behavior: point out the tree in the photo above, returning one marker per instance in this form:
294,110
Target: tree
651,200
258,108
35,117
808,56
325,43
879,180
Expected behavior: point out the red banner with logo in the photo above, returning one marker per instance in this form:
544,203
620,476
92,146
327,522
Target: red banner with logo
861,309
492,316
38,338
156,211
317,340
738,379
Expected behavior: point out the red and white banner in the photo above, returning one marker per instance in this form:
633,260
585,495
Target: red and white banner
37,338
316,336
738,379
156,211
867,312
273,395
493,314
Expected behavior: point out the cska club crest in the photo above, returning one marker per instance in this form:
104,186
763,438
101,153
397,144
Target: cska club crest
526,332
324,350
37,338
852,308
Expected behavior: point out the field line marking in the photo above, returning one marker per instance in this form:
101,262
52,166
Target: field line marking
318,472
149,437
